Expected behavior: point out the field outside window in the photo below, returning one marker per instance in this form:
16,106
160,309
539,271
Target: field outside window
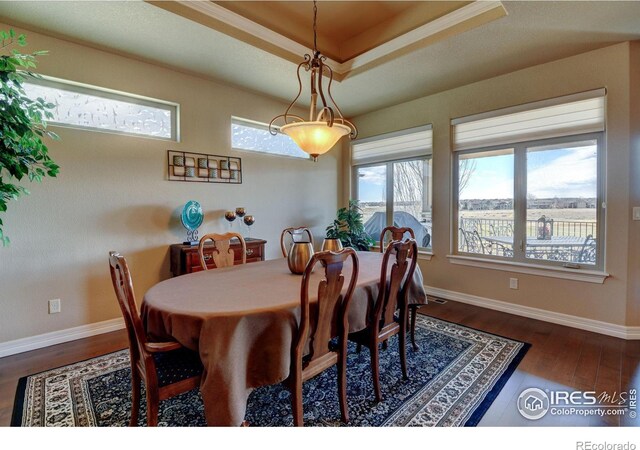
536,202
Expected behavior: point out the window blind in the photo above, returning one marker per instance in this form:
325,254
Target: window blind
415,142
563,116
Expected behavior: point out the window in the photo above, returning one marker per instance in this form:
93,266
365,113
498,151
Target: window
392,181
528,182
372,194
80,106
255,137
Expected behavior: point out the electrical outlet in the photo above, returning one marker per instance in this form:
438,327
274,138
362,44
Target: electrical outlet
55,306
513,283
636,213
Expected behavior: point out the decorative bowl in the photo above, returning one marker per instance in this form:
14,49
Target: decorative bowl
192,216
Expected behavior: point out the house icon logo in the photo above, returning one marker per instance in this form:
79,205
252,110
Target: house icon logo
533,403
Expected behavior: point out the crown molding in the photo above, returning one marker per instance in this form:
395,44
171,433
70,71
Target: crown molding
429,33
221,19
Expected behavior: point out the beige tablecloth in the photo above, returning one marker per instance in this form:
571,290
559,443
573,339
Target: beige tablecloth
242,319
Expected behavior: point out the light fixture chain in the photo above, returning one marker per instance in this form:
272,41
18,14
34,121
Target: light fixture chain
315,15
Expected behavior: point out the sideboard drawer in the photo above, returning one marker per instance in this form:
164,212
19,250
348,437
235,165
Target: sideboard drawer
185,258
254,252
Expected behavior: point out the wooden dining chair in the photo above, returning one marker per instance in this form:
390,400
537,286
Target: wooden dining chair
320,324
392,296
223,255
397,234
167,368
297,235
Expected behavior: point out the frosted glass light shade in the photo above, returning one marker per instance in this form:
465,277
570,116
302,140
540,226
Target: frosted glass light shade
315,138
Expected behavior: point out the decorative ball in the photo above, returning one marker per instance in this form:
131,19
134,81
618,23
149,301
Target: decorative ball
249,220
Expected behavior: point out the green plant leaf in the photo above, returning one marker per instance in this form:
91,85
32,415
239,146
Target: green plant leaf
348,227
23,154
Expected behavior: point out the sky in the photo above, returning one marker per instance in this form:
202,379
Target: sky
371,184
561,172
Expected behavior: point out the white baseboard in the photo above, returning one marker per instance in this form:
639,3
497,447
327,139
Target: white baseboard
58,337
582,323
107,326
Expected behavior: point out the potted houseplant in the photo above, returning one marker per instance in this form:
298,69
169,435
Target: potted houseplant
349,229
22,124
332,240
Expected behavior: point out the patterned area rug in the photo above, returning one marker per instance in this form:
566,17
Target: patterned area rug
453,379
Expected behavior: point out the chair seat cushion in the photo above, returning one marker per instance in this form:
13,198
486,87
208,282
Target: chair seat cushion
177,365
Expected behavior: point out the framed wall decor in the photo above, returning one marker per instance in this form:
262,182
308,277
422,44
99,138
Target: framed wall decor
203,168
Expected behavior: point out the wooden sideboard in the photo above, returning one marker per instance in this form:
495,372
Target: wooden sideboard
185,258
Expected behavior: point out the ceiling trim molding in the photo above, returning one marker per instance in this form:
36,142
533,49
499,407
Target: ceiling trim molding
455,22
247,26
429,30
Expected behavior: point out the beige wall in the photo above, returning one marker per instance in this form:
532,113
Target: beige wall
608,67
112,194
633,309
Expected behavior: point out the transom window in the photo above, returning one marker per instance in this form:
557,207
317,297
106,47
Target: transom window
392,181
255,136
536,195
91,108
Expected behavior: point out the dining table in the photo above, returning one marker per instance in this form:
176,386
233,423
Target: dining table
242,320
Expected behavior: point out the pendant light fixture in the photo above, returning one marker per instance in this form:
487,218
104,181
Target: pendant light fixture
326,125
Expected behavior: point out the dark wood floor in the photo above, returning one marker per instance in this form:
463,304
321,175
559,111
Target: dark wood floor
560,357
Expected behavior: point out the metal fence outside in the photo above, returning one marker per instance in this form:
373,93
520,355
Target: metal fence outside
504,227
487,236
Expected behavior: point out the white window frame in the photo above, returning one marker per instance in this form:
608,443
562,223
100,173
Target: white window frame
72,86
424,253
570,118
520,202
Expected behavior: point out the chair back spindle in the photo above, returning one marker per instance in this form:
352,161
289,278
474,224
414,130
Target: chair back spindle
223,255
331,304
393,292
123,286
397,234
320,323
